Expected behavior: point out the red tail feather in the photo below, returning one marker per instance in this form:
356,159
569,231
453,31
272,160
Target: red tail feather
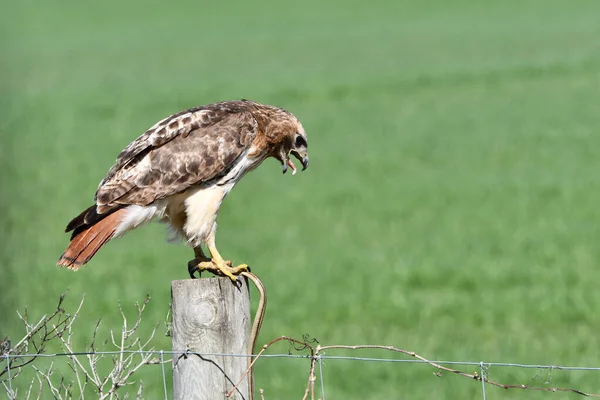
89,239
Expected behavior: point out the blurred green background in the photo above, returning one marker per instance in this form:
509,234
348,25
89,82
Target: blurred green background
451,206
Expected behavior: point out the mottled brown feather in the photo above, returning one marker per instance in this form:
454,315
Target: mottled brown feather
173,155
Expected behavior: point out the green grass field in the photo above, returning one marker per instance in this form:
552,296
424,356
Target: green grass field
451,206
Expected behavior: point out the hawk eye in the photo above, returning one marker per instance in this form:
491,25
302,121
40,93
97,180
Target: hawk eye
300,141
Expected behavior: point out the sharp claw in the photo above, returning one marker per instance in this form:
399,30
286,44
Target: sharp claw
193,268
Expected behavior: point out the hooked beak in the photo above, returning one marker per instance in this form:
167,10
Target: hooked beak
304,162
303,158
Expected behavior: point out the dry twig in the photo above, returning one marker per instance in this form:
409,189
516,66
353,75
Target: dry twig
129,355
37,336
125,363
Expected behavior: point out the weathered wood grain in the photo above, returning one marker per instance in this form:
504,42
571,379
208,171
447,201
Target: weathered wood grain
210,316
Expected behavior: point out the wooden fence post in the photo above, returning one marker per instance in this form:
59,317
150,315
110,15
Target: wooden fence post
210,316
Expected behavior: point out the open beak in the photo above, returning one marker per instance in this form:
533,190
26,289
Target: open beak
303,158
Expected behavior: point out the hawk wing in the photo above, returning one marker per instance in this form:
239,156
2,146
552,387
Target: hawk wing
186,149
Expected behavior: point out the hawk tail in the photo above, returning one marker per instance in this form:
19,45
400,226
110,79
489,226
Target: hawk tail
90,231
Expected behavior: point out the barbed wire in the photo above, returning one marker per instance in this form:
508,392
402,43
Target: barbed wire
288,355
316,360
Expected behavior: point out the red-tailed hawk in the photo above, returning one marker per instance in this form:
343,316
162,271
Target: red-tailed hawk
179,171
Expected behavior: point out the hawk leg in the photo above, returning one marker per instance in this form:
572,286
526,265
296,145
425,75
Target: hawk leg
200,257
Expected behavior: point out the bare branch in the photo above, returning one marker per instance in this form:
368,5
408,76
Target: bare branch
139,392
60,325
168,323
36,336
28,394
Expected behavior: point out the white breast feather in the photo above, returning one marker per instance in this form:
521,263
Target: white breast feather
202,206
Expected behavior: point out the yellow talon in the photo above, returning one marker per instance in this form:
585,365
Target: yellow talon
216,264
239,269
222,269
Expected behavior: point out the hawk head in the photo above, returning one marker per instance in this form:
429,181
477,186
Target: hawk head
290,141
294,144
282,136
